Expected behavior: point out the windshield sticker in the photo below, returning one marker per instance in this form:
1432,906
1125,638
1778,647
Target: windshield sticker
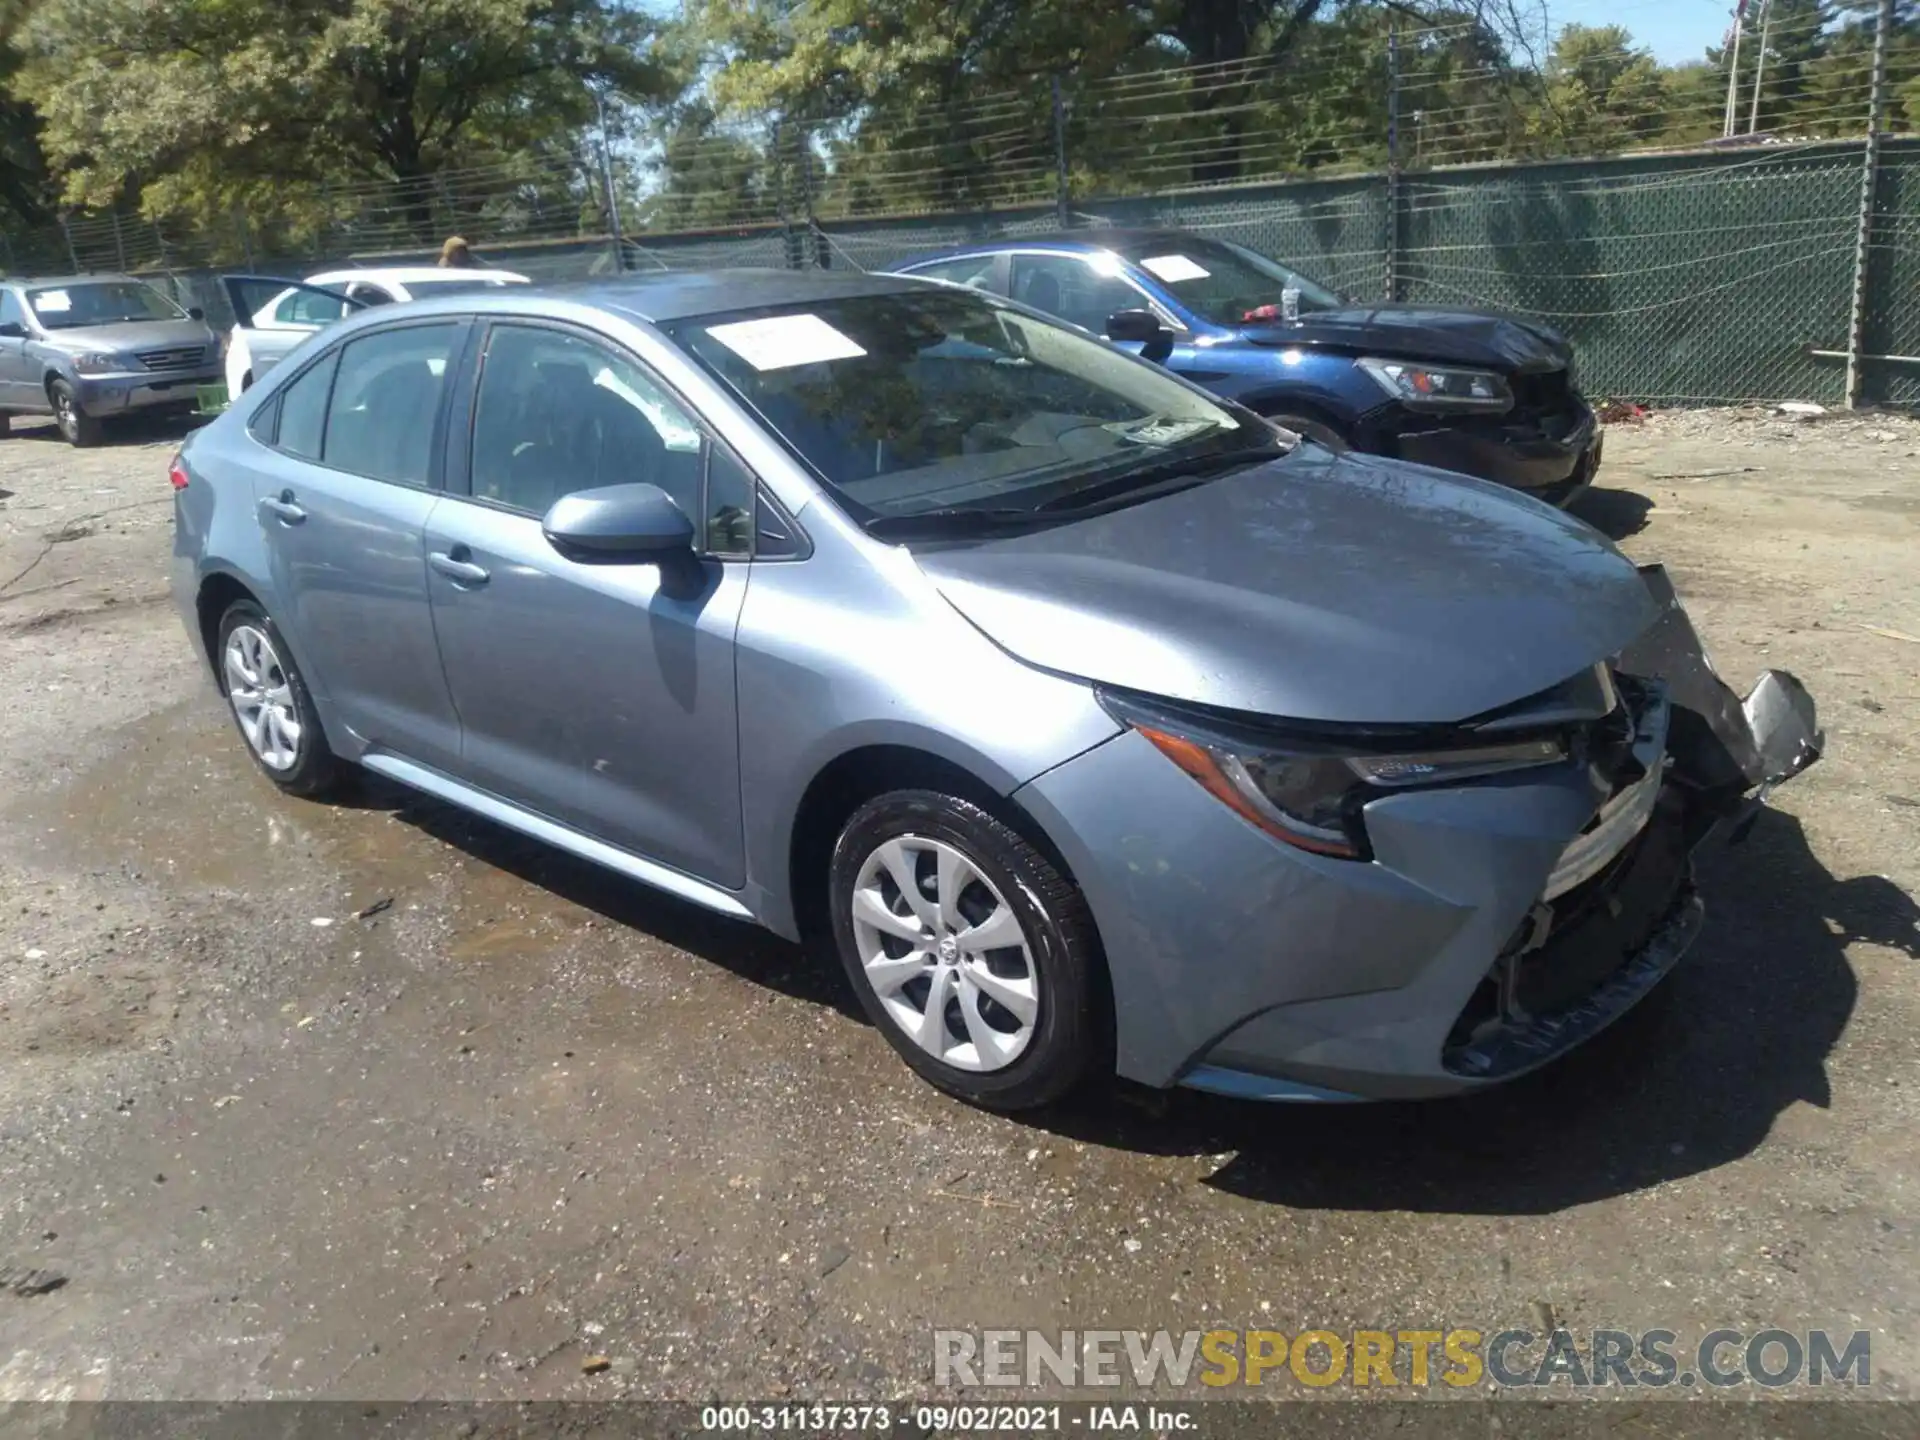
53,302
1174,268
1166,432
780,342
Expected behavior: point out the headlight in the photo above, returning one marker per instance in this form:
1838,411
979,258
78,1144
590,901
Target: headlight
98,364
1434,387
1309,792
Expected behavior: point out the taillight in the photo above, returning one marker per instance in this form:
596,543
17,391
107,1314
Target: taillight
177,473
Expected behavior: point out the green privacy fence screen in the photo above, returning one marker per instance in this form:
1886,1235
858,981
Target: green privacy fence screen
1689,279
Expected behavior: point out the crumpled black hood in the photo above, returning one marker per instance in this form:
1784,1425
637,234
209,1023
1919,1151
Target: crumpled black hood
1411,332
1344,589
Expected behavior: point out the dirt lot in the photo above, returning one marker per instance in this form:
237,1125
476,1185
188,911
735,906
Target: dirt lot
529,1114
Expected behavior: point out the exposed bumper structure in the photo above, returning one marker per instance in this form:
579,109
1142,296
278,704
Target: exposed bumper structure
1501,922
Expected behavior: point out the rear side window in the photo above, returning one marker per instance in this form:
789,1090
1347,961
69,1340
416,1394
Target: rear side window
303,410
385,397
11,310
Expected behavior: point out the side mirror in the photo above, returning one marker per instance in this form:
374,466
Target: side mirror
13,330
194,312
1142,328
618,522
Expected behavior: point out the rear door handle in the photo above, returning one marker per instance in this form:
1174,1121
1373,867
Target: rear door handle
461,572
282,508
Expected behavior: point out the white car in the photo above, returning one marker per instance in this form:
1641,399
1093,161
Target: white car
295,311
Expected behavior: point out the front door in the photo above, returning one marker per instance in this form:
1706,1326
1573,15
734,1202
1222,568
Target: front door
598,694
343,495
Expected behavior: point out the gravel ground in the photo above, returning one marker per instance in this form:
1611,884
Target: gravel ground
528,1114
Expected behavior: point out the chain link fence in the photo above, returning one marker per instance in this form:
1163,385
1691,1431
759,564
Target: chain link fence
1686,279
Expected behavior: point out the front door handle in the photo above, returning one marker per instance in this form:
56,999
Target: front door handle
461,572
282,508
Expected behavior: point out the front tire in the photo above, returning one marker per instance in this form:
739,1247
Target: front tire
270,703
970,951
79,428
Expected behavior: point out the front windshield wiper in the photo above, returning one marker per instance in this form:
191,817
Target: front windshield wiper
1136,478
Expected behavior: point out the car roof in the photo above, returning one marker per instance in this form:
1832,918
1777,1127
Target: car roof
410,274
1123,238
666,296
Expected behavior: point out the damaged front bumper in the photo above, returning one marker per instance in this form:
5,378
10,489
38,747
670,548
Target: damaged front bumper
1499,925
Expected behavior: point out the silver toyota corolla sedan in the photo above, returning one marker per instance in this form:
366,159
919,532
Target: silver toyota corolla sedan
1097,722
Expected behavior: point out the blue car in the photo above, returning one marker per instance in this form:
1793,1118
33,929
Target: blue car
1486,394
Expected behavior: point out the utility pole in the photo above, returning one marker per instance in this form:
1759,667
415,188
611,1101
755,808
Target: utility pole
1760,64
1733,73
1393,161
606,181
1869,184
1063,199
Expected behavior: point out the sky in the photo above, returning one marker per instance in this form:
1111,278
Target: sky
1675,30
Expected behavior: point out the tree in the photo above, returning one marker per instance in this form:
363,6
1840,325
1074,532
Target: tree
23,168
205,104
1602,95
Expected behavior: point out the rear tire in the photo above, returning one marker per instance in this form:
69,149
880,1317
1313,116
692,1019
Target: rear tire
270,703
79,428
1010,1024
1318,431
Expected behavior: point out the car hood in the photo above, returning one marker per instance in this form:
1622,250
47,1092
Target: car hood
133,336
1470,337
1342,589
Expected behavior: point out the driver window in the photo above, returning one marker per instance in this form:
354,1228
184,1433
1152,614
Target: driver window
558,413
1067,286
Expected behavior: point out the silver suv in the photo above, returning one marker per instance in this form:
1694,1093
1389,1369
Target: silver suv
87,348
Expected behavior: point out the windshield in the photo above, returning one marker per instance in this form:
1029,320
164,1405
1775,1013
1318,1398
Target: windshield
69,307
1227,283
935,403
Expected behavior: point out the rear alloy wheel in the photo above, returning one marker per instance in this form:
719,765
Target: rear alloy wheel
270,703
972,954
1318,431
79,428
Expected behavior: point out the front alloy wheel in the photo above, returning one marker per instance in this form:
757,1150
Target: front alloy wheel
945,954
76,426
970,950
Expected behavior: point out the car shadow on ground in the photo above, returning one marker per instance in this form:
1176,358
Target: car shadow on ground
1692,1079
754,954
1614,513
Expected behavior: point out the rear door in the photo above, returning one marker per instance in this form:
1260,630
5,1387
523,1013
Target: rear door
349,470
275,315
